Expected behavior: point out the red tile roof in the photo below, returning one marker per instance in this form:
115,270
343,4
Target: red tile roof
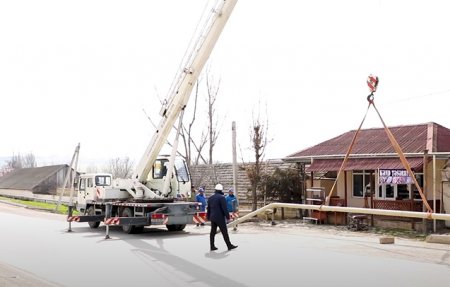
411,138
364,164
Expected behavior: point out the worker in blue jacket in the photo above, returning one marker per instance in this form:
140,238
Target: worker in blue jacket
217,213
232,202
201,198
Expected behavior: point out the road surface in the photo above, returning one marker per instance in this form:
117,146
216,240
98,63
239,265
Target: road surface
37,243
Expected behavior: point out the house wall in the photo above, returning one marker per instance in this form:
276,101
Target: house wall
352,201
446,195
360,201
327,184
440,164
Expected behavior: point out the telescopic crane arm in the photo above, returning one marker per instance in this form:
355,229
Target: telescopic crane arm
184,82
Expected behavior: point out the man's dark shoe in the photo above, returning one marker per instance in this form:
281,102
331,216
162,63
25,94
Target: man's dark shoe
213,248
231,247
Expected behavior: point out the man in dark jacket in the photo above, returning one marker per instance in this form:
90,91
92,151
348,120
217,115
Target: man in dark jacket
218,215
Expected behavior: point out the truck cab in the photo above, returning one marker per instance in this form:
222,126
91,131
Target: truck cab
94,187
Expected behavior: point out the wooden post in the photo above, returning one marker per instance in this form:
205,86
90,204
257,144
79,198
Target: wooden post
434,191
425,186
345,188
372,190
345,194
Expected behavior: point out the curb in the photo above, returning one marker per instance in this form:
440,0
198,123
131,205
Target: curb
13,203
438,238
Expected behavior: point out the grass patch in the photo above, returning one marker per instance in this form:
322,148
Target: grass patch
63,209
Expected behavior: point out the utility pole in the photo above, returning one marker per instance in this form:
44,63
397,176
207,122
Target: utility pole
66,179
233,129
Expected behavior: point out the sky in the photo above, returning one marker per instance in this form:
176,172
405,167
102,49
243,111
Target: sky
85,71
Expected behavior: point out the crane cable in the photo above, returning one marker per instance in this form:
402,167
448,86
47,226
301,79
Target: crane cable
372,82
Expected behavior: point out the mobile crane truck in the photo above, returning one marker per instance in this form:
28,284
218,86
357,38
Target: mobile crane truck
155,195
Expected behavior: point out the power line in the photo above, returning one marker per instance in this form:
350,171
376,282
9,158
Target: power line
421,96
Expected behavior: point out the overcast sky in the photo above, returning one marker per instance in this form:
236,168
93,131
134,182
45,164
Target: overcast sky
84,71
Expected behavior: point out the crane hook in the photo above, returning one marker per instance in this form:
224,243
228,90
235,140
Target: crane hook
372,82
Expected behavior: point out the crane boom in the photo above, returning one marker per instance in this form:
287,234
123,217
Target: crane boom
182,87
159,198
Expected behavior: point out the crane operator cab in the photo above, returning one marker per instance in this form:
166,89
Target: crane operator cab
180,183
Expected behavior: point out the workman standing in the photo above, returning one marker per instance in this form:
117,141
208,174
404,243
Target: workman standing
201,198
232,202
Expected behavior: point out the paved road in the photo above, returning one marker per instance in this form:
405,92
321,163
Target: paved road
285,255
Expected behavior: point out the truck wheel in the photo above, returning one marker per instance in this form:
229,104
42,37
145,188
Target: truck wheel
127,212
171,227
175,227
92,224
139,229
181,227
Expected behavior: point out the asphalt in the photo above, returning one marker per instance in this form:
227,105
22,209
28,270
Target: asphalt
11,276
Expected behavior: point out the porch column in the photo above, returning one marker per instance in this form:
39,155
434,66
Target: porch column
372,190
345,188
425,187
434,191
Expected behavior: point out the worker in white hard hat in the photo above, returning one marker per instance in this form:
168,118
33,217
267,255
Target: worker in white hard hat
218,214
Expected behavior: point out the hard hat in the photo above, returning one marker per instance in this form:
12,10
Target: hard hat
230,189
218,187
201,189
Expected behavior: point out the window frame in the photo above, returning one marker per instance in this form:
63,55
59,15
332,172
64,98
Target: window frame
365,181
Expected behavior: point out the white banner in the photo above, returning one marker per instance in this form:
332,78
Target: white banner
394,176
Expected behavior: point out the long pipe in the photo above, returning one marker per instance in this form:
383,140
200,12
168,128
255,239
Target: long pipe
400,213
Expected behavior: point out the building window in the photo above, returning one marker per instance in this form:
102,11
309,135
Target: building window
361,179
400,191
419,178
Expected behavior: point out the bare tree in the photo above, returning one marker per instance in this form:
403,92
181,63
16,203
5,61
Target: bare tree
120,167
258,137
15,162
92,169
29,160
187,134
18,161
194,148
213,131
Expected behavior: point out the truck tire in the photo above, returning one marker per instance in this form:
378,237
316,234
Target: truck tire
181,227
175,227
92,224
128,212
139,229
